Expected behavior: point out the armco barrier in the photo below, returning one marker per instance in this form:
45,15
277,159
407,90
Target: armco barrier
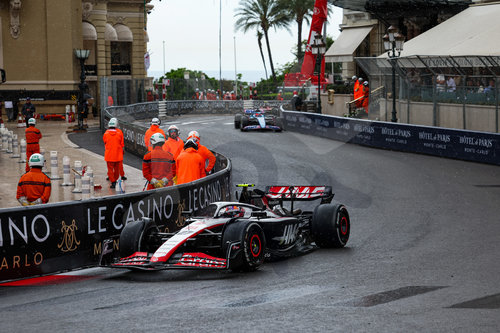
56,237
459,144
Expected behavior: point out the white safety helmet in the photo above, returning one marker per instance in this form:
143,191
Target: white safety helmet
360,79
191,143
173,128
354,78
157,138
155,121
113,122
32,121
194,135
36,160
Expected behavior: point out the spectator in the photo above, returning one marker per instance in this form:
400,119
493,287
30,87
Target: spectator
296,101
189,164
440,83
34,186
491,87
113,150
28,110
451,85
158,165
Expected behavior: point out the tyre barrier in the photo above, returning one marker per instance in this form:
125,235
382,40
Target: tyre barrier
443,142
57,237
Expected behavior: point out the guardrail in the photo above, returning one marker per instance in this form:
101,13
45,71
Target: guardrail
444,142
51,238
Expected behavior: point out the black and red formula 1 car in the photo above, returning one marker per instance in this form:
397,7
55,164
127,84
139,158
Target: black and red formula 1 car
236,235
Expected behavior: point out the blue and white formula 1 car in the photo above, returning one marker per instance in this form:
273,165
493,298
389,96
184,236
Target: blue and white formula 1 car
257,120
235,235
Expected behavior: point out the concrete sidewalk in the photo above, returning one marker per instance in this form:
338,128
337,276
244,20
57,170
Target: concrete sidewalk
55,138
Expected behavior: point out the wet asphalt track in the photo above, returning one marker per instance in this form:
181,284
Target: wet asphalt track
423,254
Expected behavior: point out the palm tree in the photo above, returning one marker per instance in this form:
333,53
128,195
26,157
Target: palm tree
302,11
264,15
259,40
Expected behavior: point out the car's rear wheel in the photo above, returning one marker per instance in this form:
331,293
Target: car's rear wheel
244,245
237,121
330,225
245,121
134,237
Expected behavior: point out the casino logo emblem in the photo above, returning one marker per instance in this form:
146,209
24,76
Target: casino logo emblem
69,242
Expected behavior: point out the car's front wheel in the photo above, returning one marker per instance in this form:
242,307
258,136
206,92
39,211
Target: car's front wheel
237,121
244,245
133,237
245,121
330,225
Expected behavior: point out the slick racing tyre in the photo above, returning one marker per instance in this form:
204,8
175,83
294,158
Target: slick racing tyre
245,121
245,244
237,121
330,225
133,237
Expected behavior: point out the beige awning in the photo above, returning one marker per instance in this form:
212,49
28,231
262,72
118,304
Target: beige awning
472,32
110,33
124,33
88,31
346,44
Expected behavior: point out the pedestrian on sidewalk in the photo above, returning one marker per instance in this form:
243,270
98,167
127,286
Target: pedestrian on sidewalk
28,110
34,186
33,136
158,165
113,150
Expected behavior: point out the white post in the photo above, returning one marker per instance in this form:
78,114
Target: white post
15,147
67,113
85,187
66,172
9,142
42,151
78,177
23,151
54,165
5,143
90,173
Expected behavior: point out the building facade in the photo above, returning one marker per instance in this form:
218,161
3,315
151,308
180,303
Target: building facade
38,40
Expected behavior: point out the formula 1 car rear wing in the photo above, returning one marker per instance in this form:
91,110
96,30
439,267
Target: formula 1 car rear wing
300,193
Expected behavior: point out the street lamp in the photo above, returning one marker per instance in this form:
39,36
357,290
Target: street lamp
320,47
81,55
393,44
